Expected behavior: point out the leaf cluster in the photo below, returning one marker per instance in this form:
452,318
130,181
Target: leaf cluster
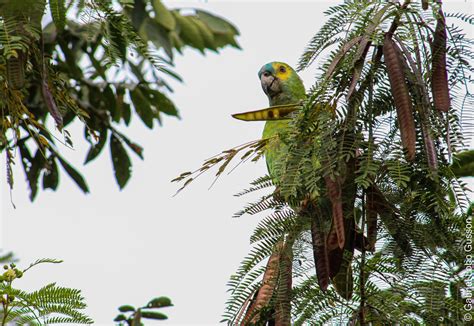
132,316
51,304
100,62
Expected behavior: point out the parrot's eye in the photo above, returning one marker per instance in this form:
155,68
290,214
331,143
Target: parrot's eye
266,74
282,69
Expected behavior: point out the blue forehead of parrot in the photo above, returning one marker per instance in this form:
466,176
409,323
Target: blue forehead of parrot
268,67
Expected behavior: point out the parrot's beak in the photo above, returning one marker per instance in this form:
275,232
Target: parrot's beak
270,84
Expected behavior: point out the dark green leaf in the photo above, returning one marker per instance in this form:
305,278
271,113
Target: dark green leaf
95,150
154,315
108,99
163,16
176,41
153,32
37,164
76,176
51,177
189,32
126,308
463,165
126,113
216,24
120,161
206,34
162,103
137,149
221,40
142,106
138,14
120,317
119,103
159,302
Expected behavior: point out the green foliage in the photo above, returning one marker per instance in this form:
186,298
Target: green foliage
6,258
120,161
463,165
133,316
51,304
97,62
58,12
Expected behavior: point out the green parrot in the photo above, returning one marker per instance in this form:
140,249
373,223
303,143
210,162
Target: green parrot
284,88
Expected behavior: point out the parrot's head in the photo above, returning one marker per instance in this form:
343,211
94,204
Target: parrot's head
281,83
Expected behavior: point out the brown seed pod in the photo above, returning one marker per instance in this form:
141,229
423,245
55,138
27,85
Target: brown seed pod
401,96
334,252
267,288
320,253
283,302
247,306
51,104
390,217
335,195
332,241
430,150
439,73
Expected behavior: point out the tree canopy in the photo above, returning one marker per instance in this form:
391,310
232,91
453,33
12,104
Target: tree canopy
100,62
399,78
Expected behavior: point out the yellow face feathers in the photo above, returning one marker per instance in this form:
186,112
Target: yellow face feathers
282,71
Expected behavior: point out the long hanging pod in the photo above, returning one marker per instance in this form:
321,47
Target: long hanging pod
430,149
335,196
320,253
428,142
285,284
265,292
439,73
401,96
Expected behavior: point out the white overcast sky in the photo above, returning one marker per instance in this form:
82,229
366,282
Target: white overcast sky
125,247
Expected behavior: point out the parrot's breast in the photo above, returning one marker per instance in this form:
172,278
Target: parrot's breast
276,150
